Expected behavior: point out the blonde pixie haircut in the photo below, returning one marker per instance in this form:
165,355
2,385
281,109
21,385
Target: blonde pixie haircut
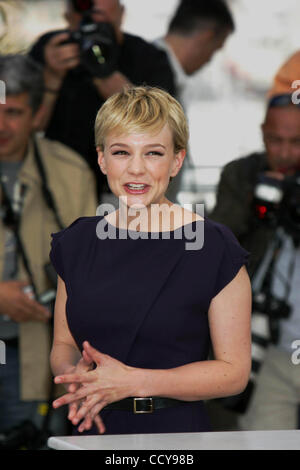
141,109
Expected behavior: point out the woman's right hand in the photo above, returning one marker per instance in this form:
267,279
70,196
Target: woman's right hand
84,364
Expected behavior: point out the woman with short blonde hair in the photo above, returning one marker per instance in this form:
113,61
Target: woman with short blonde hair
142,109
137,308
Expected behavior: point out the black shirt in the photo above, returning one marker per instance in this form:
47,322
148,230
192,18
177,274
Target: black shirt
73,118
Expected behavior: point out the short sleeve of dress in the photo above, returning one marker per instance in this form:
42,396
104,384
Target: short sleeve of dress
234,257
57,252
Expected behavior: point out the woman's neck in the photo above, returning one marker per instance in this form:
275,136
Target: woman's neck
155,218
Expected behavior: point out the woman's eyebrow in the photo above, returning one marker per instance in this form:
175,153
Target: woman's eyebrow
155,145
118,145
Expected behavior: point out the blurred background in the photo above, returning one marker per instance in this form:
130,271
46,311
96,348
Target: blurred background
225,100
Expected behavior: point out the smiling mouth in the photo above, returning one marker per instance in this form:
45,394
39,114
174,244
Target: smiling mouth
135,188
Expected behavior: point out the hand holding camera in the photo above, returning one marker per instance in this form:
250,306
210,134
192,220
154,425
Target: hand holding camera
18,305
61,56
93,45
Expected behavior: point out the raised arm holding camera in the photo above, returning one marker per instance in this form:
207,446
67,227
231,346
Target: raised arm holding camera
86,64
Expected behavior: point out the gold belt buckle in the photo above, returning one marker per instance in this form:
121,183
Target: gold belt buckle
136,411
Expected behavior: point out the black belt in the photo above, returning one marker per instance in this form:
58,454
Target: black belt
143,405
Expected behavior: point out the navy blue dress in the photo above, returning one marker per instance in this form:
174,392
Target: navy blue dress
144,301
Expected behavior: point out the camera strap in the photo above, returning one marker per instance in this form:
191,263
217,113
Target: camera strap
15,210
14,217
264,275
286,278
48,197
263,272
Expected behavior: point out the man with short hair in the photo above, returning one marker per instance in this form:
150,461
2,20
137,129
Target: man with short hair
44,186
77,84
249,202
196,31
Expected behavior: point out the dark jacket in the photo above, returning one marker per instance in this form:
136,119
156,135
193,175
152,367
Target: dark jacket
235,208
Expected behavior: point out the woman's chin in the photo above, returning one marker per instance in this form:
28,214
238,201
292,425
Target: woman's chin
134,202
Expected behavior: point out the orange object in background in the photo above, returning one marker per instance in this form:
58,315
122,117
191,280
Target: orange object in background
286,75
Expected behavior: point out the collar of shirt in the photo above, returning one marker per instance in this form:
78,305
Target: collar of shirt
180,76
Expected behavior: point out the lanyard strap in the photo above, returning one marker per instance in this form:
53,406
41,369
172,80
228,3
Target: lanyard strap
263,278
48,197
13,210
287,280
12,218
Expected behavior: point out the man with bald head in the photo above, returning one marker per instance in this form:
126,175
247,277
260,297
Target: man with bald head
77,83
274,402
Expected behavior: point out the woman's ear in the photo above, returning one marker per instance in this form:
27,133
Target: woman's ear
101,160
178,162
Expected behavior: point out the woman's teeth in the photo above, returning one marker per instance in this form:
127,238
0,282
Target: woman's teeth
136,186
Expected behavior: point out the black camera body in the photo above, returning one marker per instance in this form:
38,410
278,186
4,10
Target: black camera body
98,46
277,202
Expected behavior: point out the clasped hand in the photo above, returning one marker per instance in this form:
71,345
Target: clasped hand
90,390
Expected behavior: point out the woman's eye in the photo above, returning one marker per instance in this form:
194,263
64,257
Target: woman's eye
120,152
155,152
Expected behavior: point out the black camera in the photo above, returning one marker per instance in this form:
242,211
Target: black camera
277,202
98,46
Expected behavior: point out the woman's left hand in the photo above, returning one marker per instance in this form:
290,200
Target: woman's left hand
110,381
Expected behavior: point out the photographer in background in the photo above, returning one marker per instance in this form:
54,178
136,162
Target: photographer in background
259,199
197,30
44,186
86,64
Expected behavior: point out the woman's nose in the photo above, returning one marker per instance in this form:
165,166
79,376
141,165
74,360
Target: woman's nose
136,165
